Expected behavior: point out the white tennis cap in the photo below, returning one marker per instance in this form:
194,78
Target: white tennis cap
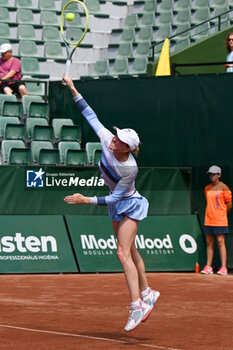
128,136
214,169
5,47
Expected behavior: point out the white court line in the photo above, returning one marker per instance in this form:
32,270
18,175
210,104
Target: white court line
86,336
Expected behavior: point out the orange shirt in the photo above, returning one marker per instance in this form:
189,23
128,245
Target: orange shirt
216,209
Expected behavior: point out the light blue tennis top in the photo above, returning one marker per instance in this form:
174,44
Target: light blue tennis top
118,176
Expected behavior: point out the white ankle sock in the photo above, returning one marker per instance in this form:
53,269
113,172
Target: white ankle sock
145,292
135,303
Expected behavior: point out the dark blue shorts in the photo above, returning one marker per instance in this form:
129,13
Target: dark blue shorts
216,230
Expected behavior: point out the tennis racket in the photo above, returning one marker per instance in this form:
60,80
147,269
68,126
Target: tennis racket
71,33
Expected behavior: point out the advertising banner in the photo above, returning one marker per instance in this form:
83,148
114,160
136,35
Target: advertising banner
42,190
35,244
166,243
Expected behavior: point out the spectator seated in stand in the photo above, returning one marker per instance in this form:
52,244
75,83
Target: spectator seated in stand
10,68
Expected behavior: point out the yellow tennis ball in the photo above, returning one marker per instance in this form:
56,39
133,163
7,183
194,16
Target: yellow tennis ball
70,16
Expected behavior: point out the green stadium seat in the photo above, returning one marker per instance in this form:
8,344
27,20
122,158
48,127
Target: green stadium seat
4,98
182,17
230,4
143,49
19,156
179,29
224,19
101,68
5,31
75,157
57,124
218,3
5,121
4,3
42,133
128,35
49,18
150,6
183,5
14,132
5,16
120,67
200,4
163,33
182,44
4,41
26,32
165,18
97,156
49,157
7,145
36,146
53,50
30,66
165,6
24,4
147,20
200,32
131,20
27,99
125,50
12,109
47,5
25,16
145,34
64,146
35,87
71,133
30,125
38,110
72,8
201,15
94,8
50,34
91,147
139,66
28,48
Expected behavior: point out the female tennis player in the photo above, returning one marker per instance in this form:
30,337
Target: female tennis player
125,205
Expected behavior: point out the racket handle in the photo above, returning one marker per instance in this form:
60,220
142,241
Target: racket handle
67,71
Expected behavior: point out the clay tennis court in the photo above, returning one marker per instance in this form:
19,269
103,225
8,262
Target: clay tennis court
77,311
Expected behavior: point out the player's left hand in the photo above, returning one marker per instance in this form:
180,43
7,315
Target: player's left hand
77,198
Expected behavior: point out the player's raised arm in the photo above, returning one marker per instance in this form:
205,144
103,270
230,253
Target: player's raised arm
85,109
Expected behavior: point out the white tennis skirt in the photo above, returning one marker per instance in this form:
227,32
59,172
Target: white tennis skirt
135,208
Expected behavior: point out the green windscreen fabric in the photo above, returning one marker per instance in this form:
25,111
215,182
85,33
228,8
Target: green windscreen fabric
35,190
182,121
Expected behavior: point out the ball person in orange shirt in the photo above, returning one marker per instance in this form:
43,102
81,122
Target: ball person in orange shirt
219,203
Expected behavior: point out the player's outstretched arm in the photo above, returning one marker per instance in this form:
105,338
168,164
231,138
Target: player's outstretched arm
85,109
77,198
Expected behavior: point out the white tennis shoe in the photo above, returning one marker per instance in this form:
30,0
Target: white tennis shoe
150,299
136,315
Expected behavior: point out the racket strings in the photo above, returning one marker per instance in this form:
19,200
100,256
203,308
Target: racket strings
73,35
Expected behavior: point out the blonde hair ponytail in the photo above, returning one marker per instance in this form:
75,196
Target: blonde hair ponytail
136,151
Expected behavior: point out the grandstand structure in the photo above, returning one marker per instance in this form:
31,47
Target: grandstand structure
119,43
120,37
